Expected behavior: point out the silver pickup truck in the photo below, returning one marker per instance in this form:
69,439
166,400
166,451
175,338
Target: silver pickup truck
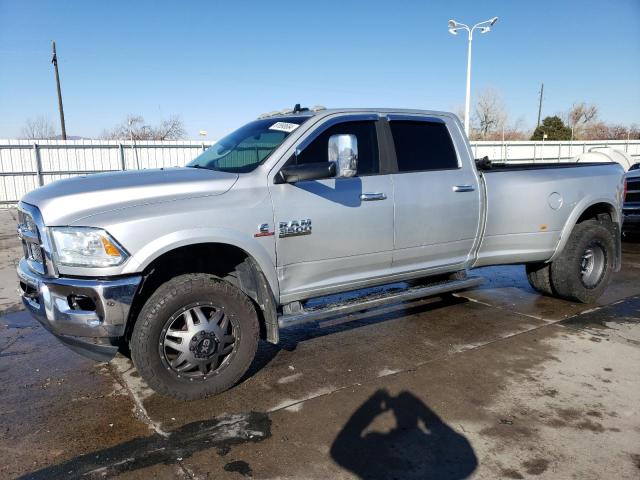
185,269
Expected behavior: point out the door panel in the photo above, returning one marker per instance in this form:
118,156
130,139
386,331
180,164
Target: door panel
350,239
437,197
435,225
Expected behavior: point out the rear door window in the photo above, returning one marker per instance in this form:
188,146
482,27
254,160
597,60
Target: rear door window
423,145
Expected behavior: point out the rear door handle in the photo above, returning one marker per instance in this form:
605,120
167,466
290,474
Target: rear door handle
371,197
463,188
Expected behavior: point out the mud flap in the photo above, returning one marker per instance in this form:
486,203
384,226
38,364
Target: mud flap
617,265
254,283
614,227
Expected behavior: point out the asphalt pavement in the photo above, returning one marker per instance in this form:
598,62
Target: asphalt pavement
496,382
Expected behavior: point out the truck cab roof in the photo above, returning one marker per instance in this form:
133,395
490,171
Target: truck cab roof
322,111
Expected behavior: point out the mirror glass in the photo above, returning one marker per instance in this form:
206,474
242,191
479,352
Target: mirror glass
343,150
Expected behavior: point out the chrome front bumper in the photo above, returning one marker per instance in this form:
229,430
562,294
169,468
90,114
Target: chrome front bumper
93,332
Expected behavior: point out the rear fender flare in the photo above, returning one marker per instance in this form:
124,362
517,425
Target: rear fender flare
571,222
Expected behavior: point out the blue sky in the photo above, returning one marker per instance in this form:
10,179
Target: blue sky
220,64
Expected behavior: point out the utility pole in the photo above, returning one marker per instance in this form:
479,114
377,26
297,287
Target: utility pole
540,104
54,60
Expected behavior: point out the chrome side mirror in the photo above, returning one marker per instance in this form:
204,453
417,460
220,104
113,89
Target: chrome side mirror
343,150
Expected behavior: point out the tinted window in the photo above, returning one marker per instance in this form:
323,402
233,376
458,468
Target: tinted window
423,146
317,151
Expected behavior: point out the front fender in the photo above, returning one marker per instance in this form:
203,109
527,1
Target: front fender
182,238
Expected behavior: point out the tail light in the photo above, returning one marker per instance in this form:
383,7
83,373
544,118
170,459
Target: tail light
624,192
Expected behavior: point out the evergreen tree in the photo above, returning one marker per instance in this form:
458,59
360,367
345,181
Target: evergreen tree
555,129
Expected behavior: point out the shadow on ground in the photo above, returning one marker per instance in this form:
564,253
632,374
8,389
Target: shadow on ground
420,445
220,433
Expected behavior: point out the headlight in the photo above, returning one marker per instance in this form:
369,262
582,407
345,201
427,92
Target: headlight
86,247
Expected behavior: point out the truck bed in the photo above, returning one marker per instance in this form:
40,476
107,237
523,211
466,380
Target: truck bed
530,205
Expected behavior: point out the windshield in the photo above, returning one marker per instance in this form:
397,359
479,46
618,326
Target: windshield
246,148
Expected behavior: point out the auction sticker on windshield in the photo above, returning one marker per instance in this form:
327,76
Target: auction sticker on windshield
284,127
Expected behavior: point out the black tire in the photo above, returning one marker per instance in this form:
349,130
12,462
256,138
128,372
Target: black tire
566,271
539,276
164,304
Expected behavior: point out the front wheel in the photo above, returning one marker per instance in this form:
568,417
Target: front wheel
195,336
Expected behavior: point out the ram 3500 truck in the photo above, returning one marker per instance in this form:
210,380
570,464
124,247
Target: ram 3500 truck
187,268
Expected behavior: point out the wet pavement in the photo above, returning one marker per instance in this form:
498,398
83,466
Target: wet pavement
497,382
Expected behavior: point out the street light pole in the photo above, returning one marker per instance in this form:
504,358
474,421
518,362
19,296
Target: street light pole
484,27
467,101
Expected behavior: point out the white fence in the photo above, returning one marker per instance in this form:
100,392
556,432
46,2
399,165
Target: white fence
512,152
25,165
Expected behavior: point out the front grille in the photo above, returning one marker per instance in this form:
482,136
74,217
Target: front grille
633,190
30,240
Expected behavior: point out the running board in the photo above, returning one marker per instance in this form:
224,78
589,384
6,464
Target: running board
377,300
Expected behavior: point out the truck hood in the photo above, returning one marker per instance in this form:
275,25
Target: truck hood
67,201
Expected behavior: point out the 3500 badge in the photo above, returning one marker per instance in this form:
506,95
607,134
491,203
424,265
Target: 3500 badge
295,228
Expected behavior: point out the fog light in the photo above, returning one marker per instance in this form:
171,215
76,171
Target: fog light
81,302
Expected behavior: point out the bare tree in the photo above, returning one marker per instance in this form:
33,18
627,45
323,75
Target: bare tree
582,113
595,131
170,129
508,131
619,132
490,114
604,131
135,128
491,120
38,128
579,116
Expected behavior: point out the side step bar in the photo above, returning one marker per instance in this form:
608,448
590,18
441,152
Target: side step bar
377,300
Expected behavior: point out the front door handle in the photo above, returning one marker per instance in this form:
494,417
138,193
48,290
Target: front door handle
463,188
371,197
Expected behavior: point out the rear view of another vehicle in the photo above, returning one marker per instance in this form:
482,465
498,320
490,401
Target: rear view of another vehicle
631,209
